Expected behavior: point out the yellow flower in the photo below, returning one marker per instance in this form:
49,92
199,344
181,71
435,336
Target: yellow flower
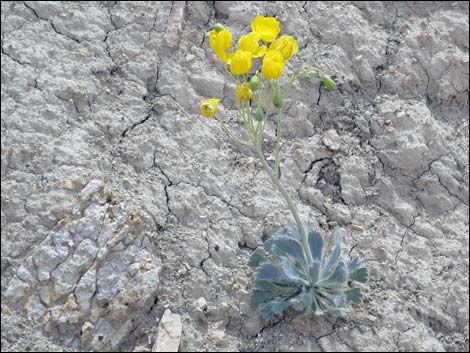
273,64
243,91
267,27
286,45
240,62
220,42
209,107
249,42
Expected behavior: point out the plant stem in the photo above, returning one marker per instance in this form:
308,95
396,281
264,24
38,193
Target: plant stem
278,142
290,204
229,133
298,74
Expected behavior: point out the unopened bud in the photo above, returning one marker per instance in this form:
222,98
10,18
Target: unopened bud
277,100
254,83
329,83
219,27
259,114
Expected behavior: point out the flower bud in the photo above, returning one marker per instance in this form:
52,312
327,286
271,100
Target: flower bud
259,114
329,83
277,100
219,27
254,83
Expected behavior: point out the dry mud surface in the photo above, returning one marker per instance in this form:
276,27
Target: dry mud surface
120,203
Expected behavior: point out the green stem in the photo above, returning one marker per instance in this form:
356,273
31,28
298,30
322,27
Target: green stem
290,204
266,113
296,76
229,133
230,74
278,141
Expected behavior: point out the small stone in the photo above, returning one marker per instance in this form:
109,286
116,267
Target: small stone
332,140
141,349
190,57
70,304
217,335
87,330
169,333
357,227
84,52
388,125
201,304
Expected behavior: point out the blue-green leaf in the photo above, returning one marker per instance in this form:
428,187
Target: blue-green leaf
268,271
354,295
256,259
283,246
303,300
295,231
292,273
334,258
337,280
314,271
316,243
327,298
264,291
360,275
268,310
284,278
354,265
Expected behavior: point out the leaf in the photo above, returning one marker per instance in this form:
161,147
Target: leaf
327,298
316,242
354,295
295,231
303,300
268,310
337,280
360,275
334,258
283,246
285,279
256,259
292,273
264,291
268,271
354,264
314,271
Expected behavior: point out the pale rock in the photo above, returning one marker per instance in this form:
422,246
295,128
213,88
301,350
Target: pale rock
332,140
86,331
169,333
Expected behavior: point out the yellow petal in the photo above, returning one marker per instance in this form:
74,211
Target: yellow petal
260,52
273,64
209,107
267,27
241,62
286,45
220,42
249,42
224,39
243,91
212,39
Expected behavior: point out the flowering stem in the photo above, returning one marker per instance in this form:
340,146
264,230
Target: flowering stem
290,204
229,133
296,76
278,142
230,74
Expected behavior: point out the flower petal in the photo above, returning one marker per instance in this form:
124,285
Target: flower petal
267,27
